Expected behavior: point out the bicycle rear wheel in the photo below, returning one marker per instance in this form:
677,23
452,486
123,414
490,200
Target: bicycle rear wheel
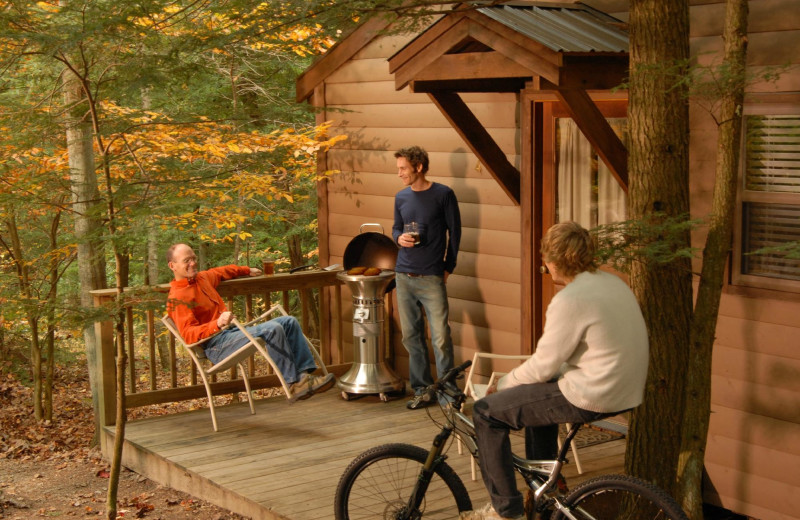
378,483
620,497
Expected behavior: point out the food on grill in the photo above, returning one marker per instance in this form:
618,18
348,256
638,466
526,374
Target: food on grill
365,271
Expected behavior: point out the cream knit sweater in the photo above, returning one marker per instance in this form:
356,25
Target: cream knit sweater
595,341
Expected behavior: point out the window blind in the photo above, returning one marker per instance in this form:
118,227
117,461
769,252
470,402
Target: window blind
773,154
772,166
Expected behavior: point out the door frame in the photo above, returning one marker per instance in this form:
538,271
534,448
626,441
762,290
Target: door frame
538,113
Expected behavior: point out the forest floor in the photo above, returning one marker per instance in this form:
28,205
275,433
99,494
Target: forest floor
49,470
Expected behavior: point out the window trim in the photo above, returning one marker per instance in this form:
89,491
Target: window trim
737,278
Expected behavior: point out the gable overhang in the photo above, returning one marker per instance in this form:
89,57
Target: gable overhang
338,55
491,50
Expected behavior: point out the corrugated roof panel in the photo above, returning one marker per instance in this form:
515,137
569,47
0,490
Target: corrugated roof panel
604,35
564,29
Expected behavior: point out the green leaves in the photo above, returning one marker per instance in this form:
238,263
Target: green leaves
659,239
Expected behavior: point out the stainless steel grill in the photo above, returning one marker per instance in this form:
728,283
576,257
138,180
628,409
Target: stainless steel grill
369,374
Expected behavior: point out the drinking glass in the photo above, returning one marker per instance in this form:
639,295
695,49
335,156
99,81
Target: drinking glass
412,229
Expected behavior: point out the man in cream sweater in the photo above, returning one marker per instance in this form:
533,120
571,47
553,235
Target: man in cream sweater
591,361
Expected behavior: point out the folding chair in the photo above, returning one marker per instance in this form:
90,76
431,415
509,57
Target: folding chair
478,390
237,358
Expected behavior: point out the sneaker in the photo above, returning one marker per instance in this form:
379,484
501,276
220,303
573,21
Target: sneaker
487,512
321,384
418,402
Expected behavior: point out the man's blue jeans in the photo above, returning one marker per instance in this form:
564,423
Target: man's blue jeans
539,408
285,343
413,294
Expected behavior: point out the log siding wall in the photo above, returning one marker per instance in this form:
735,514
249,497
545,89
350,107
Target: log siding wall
484,290
753,453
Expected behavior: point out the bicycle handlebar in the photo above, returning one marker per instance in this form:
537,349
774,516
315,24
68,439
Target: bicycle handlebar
446,381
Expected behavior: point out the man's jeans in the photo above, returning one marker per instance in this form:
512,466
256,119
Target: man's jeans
539,408
413,293
285,344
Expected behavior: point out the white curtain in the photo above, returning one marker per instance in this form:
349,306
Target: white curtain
587,191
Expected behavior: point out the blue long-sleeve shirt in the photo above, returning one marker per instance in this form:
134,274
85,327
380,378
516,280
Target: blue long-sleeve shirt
436,212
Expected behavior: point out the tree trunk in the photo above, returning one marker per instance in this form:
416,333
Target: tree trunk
659,187
307,301
24,282
87,213
125,269
52,293
36,367
237,240
151,278
202,256
3,347
715,255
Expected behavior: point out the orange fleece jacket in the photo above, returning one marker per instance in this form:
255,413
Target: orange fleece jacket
194,304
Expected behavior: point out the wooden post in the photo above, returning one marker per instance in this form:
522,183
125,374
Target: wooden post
131,349
337,319
106,366
151,347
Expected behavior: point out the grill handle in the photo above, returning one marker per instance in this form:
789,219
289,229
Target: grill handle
361,228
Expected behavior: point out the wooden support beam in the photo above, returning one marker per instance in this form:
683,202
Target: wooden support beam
512,85
480,142
423,41
597,130
473,65
408,72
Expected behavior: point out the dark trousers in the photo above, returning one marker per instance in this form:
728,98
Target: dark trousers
539,408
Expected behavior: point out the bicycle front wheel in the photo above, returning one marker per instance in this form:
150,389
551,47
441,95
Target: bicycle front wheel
620,497
378,484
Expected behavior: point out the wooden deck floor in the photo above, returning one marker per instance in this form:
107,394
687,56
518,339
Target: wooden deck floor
284,462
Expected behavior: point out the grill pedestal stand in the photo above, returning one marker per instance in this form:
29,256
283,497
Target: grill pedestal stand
369,374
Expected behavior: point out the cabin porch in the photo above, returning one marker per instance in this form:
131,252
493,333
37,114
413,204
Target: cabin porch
285,461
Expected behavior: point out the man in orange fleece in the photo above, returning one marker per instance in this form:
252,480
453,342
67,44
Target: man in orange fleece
199,312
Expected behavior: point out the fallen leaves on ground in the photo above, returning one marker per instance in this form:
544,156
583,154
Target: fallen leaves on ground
50,469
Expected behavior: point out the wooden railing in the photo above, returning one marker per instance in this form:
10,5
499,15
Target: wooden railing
148,383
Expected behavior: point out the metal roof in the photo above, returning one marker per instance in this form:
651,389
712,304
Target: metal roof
571,28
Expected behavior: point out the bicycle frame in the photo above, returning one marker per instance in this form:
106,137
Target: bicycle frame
541,476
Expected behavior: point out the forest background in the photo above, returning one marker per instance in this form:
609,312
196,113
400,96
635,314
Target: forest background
126,127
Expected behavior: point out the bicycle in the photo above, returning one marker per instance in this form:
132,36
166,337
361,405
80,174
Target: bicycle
406,482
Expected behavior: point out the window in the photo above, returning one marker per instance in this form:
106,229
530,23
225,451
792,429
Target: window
587,192
769,213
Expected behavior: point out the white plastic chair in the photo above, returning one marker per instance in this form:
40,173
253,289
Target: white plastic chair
478,390
237,358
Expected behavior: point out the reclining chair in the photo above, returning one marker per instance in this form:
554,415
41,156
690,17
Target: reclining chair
238,358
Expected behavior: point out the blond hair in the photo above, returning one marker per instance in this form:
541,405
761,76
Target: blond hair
570,247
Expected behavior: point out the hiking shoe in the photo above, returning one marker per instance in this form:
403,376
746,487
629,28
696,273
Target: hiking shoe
418,402
321,384
487,512
300,390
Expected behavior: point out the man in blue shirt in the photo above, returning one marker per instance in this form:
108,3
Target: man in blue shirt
427,257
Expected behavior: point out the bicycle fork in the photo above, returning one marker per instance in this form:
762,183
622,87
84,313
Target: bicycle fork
435,457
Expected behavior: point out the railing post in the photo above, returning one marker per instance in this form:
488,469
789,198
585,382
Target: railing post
106,366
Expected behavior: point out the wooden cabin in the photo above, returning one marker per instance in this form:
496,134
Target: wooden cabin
516,107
